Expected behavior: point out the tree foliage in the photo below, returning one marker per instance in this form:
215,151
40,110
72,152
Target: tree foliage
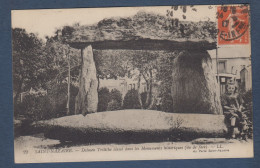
164,75
40,65
28,62
57,53
188,29
111,64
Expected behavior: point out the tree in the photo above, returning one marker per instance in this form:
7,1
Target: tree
146,63
60,55
69,67
111,64
28,62
65,63
138,65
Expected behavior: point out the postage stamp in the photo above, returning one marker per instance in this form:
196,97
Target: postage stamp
233,24
132,83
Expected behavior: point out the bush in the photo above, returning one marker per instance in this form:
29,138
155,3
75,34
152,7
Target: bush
43,107
58,99
116,95
35,108
113,105
131,100
103,99
58,96
248,104
248,101
108,101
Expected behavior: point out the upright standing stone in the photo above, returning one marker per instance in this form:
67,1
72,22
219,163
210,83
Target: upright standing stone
87,98
194,88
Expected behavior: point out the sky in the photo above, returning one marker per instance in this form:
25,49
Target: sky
44,22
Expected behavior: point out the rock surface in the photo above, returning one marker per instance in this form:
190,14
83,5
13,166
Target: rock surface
144,31
194,86
87,98
133,126
141,26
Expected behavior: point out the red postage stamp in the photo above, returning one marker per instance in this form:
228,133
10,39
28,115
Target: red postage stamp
233,24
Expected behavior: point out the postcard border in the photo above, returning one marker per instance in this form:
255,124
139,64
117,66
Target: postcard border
6,107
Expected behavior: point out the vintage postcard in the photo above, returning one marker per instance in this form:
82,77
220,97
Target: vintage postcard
132,83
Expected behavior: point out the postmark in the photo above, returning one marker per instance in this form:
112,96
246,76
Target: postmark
233,24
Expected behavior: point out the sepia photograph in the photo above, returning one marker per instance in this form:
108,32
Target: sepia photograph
132,83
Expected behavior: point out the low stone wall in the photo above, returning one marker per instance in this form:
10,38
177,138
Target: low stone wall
133,126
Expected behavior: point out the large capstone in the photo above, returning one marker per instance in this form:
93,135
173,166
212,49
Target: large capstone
194,87
87,98
133,126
